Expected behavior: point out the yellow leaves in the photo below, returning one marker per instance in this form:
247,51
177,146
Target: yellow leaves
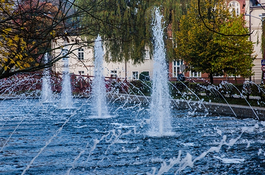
9,42
199,46
31,59
23,44
12,61
16,38
26,65
3,35
13,47
19,65
53,33
6,6
19,56
7,30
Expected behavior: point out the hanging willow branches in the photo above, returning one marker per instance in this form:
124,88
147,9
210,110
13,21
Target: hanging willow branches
126,25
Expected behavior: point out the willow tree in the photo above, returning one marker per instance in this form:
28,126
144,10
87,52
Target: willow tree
126,25
224,49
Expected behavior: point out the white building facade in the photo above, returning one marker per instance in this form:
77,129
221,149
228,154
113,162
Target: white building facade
81,61
254,16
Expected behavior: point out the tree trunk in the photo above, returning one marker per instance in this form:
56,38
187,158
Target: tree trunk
211,78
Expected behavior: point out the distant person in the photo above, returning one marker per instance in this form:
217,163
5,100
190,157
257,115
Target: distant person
181,76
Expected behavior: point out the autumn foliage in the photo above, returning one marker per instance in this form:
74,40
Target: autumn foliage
26,30
223,50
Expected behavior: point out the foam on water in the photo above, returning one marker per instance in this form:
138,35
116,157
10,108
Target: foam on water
101,117
229,160
68,142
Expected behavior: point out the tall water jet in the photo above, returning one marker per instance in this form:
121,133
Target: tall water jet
160,123
66,95
98,86
46,93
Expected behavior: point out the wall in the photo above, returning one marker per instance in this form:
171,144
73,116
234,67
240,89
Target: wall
254,23
75,65
87,65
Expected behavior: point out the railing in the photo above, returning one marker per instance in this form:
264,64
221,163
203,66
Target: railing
28,82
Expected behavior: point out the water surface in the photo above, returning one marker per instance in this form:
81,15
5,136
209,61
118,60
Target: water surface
38,138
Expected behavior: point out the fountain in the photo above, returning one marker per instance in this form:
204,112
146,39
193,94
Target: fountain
39,138
160,99
46,95
98,86
66,94
33,142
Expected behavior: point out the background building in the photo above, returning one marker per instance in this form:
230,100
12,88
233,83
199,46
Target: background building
253,16
81,61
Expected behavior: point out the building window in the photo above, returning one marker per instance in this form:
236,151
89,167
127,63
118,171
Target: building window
195,74
81,72
147,55
113,74
81,54
178,66
135,75
144,76
234,7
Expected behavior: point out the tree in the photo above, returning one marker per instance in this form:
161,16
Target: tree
209,52
126,25
237,57
26,29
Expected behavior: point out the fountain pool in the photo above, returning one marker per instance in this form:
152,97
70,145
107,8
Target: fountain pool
37,138
64,136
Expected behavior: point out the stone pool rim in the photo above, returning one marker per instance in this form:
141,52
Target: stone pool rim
241,111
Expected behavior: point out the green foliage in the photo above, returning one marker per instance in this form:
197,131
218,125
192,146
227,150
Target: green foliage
126,25
231,93
236,57
209,52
